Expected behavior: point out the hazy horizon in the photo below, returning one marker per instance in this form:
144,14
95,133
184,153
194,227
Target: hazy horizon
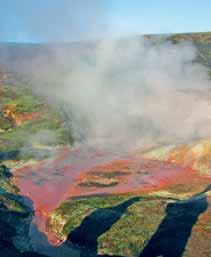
70,20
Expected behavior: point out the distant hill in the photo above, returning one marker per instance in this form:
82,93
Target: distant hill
16,57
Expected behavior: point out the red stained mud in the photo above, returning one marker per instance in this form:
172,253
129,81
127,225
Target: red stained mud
88,171
48,182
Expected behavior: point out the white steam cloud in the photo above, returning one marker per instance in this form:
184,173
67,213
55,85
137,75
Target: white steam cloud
128,92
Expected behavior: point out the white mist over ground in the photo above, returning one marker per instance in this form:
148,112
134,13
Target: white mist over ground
127,92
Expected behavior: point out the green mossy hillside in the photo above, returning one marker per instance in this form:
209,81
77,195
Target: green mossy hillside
21,140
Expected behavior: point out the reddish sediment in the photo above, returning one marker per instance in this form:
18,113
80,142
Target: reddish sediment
138,175
50,182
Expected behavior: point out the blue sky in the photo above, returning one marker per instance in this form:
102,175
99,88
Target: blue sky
70,20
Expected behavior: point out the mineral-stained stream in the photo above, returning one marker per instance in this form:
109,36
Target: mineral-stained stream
72,172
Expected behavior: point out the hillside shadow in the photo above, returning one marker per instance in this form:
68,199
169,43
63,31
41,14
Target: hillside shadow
8,155
96,224
173,233
169,240
82,241
10,221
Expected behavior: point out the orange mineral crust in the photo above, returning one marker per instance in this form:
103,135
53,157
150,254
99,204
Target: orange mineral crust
89,171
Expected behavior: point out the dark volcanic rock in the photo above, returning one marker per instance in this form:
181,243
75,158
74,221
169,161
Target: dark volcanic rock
5,172
16,213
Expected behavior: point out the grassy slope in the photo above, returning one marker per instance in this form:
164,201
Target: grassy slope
130,234
123,238
14,137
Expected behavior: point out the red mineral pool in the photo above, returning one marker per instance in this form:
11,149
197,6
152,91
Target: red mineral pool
72,172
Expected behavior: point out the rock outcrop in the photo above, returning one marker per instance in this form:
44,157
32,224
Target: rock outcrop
16,213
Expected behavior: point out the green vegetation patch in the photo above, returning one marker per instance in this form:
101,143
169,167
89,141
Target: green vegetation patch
46,129
22,138
127,236
99,183
74,211
12,204
6,182
25,103
8,192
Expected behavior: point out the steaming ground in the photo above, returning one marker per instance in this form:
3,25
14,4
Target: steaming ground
125,93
